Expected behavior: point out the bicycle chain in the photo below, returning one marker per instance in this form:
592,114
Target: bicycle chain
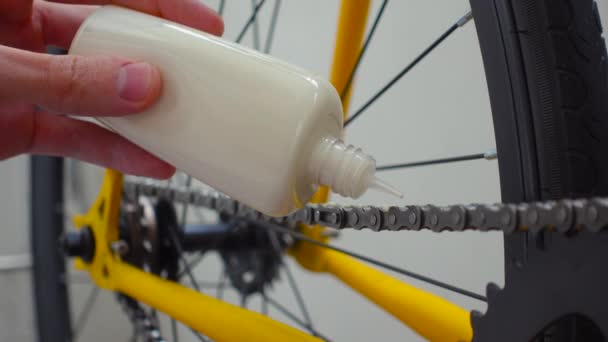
564,216
145,325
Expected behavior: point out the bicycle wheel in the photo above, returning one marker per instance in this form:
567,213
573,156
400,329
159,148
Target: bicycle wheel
545,65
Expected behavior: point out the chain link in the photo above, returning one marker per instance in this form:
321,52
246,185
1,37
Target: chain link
146,326
564,216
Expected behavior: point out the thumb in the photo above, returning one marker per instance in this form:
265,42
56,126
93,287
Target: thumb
97,85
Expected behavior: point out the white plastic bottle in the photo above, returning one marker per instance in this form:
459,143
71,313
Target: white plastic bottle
262,131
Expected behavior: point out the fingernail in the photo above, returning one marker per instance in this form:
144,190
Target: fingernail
134,81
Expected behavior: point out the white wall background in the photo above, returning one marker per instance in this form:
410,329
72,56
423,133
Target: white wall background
440,109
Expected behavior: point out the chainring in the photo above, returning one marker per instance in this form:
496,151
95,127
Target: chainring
562,281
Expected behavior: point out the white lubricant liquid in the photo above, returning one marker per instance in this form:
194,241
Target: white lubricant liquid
262,131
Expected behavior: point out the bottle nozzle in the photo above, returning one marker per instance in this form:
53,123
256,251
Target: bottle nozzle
346,169
383,186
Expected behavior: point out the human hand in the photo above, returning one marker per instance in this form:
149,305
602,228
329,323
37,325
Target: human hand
37,89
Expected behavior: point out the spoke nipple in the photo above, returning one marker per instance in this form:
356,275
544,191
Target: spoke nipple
465,19
490,154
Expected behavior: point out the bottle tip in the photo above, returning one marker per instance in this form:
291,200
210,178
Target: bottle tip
383,186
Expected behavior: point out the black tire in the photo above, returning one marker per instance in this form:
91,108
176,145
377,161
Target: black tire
51,300
546,68
545,63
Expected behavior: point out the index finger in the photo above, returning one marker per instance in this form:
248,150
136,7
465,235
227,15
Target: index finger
192,13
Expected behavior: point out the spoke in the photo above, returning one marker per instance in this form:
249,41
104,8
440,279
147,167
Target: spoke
243,301
220,289
86,311
185,207
273,25
382,264
133,336
291,280
191,265
264,304
220,9
293,317
174,330
154,314
250,21
363,50
208,284
487,156
297,294
180,251
199,336
256,28
194,332
79,279
461,22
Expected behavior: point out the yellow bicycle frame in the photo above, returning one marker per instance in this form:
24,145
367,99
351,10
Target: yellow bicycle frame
432,317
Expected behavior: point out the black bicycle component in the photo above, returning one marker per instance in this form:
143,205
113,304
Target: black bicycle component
565,216
251,261
546,69
206,237
562,301
79,243
169,254
48,276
